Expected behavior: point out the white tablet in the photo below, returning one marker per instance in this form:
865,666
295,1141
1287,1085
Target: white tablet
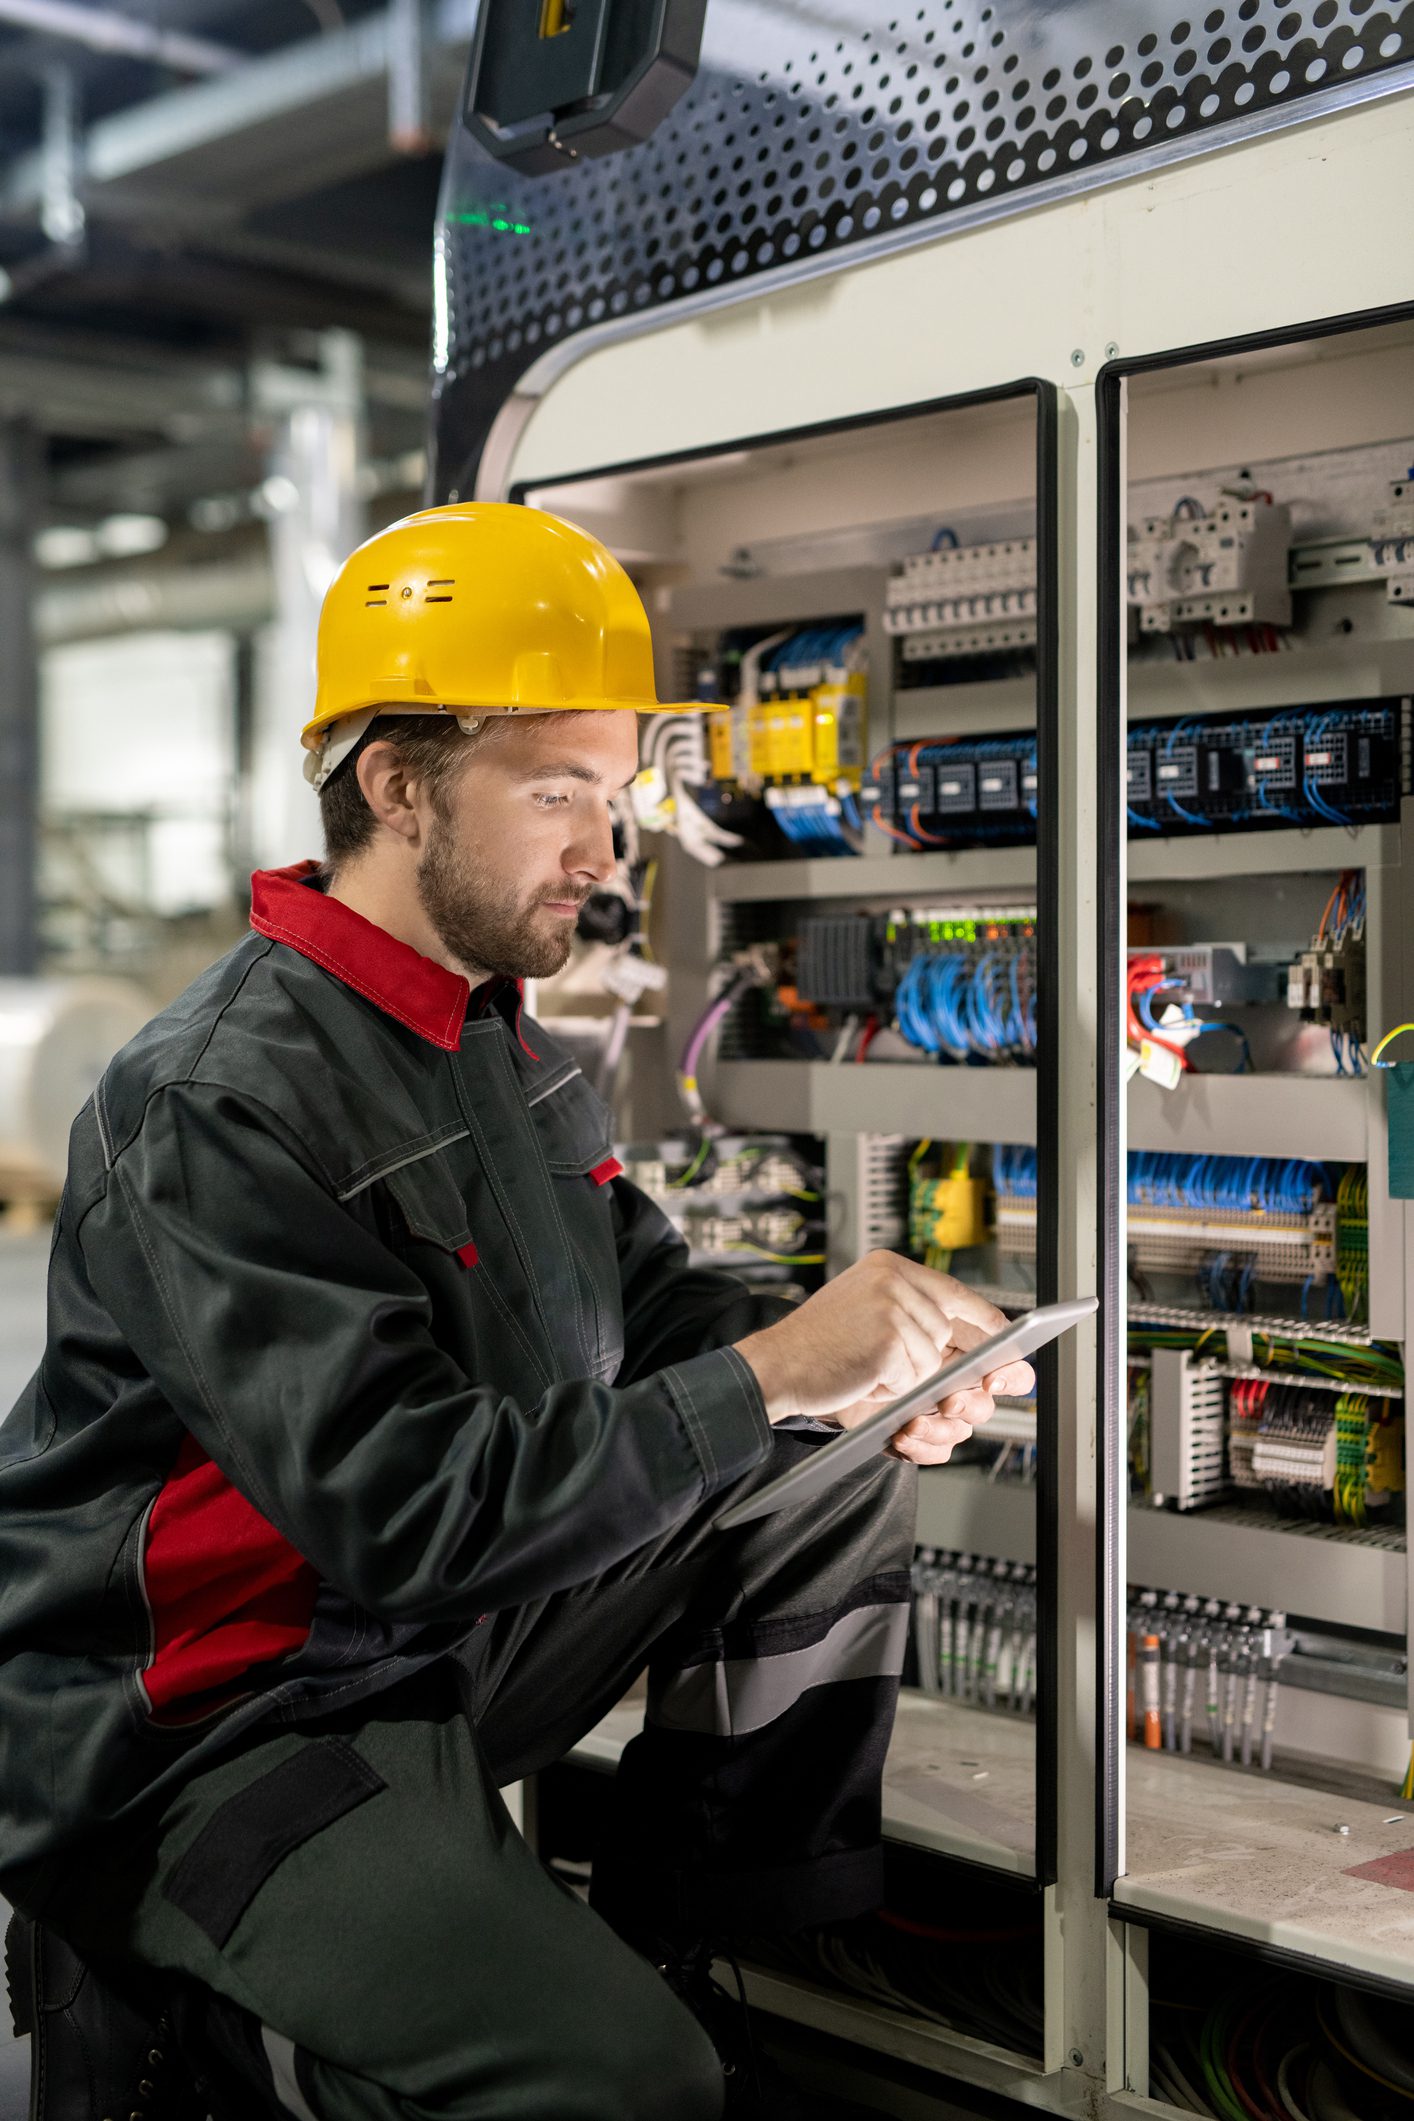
852,1446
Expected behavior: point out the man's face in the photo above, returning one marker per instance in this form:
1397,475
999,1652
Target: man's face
518,840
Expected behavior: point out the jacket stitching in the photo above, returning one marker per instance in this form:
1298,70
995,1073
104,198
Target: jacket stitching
101,1120
258,958
548,1089
488,1285
416,1155
692,1422
302,1151
447,1039
208,1398
137,1570
601,1358
170,1082
591,1350
525,1253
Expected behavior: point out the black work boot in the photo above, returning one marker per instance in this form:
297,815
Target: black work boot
755,2087
96,2055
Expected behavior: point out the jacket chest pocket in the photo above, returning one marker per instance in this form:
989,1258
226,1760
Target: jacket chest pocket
514,1252
483,1314
572,1127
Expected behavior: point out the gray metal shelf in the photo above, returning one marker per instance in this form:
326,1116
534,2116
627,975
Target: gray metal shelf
974,870
1218,1115
1223,1554
979,870
1231,684
1254,1115
1324,847
777,599
959,1104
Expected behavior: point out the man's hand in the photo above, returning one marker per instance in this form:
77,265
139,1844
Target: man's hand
878,1329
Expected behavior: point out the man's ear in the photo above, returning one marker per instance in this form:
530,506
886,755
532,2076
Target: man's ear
388,790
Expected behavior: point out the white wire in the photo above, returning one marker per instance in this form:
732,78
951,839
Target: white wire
1284,2092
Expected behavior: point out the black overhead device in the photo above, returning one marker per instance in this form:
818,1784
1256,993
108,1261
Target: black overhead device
551,83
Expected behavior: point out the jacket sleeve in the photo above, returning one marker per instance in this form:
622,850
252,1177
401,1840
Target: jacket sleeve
296,1348
672,1311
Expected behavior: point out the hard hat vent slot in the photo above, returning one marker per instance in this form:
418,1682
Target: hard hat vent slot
373,597
449,583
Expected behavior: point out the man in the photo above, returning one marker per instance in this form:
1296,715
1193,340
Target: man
379,1436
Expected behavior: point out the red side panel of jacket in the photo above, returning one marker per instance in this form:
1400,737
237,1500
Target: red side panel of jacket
227,1592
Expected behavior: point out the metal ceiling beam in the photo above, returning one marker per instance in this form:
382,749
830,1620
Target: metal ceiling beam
78,398
92,384
187,222
280,124
103,30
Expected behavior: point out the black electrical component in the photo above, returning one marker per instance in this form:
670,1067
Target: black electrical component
551,81
838,961
606,917
948,792
1339,765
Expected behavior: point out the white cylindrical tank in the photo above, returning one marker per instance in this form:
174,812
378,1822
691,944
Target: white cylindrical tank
56,1038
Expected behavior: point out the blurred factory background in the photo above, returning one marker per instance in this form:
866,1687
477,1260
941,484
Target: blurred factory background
215,302
215,299
1004,411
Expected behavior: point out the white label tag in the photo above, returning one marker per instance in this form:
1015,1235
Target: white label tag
1159,1065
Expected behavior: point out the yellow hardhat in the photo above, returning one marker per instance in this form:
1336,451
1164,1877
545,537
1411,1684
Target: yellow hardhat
482,608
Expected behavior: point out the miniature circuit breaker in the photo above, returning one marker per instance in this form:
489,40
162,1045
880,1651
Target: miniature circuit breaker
964,600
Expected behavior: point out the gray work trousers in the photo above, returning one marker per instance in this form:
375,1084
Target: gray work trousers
371,1938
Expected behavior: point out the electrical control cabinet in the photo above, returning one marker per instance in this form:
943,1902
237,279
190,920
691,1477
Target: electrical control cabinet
1076,981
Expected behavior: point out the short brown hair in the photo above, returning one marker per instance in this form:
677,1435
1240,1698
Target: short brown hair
432,747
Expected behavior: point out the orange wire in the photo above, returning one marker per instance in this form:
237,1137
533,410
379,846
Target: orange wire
1321,928
904,839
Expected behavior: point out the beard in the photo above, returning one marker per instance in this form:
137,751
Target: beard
485,926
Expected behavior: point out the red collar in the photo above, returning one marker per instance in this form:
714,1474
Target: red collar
288,906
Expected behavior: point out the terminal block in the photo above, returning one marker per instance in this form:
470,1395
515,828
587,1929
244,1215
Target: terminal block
1187,1431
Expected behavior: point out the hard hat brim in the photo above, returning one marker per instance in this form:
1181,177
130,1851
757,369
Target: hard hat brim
312,733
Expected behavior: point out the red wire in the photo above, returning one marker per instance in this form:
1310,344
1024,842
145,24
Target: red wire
1146,972
867,1037
1264,2082
1257,2113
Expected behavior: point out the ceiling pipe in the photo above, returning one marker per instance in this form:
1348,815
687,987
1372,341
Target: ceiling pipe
103,31
235,596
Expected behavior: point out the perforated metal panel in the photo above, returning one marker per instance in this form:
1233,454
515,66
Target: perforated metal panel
808,130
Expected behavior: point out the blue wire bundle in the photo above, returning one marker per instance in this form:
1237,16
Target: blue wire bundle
814,651
813,825
970,1009
1218,1185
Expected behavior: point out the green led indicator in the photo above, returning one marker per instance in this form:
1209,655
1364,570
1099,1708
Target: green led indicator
497,217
